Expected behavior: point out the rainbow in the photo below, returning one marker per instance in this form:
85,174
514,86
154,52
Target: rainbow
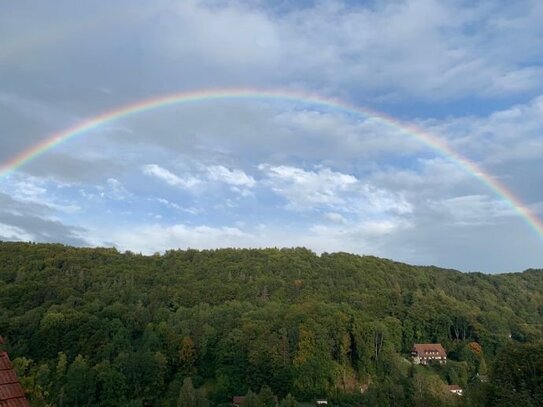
298,97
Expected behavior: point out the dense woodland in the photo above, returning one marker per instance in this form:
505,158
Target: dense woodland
96,327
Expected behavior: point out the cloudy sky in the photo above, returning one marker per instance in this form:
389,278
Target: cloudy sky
272,172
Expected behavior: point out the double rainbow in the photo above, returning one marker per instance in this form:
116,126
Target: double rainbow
298,97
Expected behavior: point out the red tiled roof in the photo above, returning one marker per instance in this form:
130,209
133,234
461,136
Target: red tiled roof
429,349
11,392
14,403
238,400
8,376
5,363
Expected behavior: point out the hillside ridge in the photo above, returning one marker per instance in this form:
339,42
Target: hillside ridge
236,320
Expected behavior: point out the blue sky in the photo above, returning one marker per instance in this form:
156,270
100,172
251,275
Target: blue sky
258,173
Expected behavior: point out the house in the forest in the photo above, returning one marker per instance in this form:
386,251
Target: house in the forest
456,389
11,392
423,353
238,401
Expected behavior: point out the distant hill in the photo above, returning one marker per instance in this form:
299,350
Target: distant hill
99,327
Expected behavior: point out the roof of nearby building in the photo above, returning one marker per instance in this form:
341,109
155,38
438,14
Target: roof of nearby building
424,349
11,392
238,400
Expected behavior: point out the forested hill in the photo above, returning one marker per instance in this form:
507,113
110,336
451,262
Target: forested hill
99,327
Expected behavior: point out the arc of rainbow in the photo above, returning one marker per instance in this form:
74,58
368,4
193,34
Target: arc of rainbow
246,93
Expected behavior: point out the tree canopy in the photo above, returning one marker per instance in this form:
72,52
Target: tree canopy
100,327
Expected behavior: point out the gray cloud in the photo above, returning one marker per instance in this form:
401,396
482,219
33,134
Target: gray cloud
507,144
29,221
400,49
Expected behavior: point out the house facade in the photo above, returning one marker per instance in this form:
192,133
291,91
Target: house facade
424,353
455,389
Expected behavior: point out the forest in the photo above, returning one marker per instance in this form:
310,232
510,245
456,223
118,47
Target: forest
190,328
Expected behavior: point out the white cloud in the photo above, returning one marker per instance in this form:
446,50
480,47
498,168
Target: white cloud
155,238
401,50
115,190
307,189
28,189
324,188
377,200
440,49
358,237
233,177
505,136
427,48
359,233
173,205
229,37
239,181
169,177
335,217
